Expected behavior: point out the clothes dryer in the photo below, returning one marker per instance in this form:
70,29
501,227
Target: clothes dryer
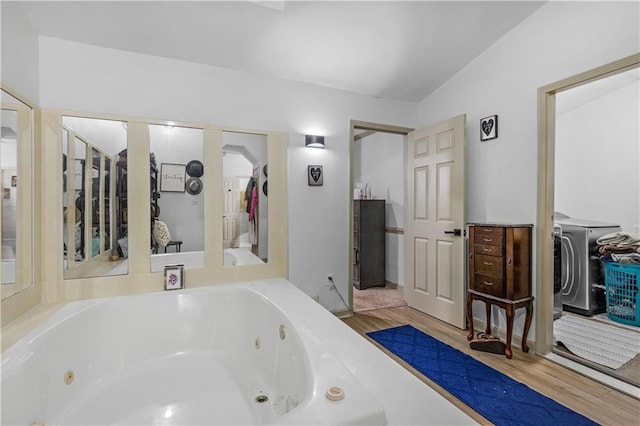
583,287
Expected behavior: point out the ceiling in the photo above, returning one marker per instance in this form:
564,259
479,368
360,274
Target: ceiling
388,49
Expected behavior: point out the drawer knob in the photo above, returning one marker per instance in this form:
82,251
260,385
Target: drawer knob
488,240
487,283
488,263
486,249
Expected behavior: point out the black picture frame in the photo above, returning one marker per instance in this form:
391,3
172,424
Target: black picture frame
174,277
172,177
315,175
489,128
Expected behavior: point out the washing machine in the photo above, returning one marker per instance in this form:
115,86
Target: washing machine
582,278
557,272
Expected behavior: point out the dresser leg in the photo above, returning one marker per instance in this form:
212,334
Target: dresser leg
527,324
469,316
509,309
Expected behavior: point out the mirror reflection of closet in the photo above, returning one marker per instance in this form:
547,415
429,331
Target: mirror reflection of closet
16,145
245,198
94,185
176,196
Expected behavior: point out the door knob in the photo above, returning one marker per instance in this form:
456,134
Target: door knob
455,232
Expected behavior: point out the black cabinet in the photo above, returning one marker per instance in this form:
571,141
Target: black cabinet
121,213
155,210
368,244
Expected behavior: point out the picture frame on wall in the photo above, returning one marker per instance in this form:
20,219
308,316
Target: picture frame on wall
315,175
172,177
489,128
174,277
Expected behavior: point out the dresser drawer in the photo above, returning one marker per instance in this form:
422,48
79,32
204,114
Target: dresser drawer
494,231
488,285
489,265
493,240
488,250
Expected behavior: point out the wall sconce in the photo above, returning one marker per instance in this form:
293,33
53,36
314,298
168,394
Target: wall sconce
313,141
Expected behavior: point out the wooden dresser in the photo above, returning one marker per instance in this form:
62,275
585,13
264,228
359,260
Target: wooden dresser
500,274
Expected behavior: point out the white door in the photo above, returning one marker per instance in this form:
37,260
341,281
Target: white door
231,214
435,208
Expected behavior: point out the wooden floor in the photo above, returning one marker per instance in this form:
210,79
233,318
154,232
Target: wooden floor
596,401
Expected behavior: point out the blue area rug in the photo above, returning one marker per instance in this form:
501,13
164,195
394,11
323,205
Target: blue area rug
497,397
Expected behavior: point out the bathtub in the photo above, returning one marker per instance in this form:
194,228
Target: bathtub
251,353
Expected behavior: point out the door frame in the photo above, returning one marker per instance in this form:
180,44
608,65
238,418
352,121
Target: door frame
375,127
546,182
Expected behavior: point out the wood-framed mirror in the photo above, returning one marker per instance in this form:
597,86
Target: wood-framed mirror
17,194
94,197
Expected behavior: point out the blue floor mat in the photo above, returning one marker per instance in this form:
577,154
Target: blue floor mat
497,397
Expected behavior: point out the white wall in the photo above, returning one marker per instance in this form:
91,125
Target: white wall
559,40
379,161
81,77
19,60
597,146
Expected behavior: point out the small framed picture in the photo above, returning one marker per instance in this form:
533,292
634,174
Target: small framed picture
489,128
172,177
314,175
173,277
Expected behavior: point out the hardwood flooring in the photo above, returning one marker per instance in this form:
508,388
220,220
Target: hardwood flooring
600,403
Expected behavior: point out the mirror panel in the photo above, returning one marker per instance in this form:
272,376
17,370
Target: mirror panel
16,156
176,196
97,194
245,198
94,217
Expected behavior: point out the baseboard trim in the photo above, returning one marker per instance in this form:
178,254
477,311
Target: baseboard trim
343,313
516,339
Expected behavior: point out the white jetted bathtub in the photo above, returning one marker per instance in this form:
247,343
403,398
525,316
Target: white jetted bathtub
251,353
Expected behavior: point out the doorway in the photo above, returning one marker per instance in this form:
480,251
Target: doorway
552,101
376,266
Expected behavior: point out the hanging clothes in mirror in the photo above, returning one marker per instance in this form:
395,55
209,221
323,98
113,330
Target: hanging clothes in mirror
252,206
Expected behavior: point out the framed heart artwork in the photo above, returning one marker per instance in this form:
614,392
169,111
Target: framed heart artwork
314,175
489,128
